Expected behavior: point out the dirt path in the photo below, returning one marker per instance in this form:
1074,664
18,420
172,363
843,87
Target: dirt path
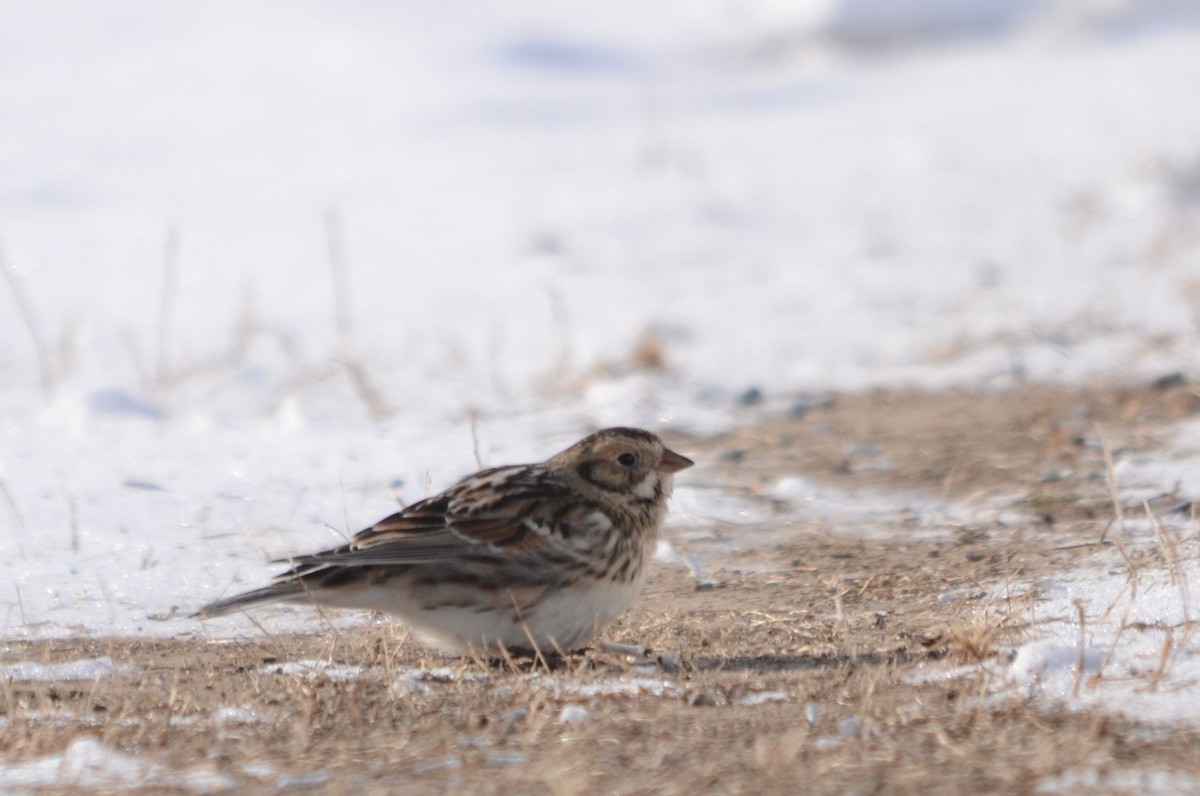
803,669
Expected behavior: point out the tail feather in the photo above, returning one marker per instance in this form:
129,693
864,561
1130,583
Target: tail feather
280,591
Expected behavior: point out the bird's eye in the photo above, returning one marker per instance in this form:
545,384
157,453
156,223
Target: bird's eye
627,460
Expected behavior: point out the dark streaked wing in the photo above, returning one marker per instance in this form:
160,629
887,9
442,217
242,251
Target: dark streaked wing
521,514
501,517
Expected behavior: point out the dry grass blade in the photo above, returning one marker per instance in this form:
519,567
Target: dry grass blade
1111,480
1168,542
12,506
370,395
1081,661
166,308
25,308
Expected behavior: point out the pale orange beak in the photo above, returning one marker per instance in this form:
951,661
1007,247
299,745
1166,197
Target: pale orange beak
672,462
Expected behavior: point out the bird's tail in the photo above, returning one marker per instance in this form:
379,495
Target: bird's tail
280,591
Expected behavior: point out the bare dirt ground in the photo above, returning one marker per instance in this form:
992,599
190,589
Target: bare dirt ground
799,671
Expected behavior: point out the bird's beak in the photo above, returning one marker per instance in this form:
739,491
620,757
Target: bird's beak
672,462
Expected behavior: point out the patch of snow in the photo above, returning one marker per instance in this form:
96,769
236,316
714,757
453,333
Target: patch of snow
763,697
923,672
1132,651
1039,661
260,770
315,669
312,779
1104,777
87,763
636,686
575,716
1140,656
230,714
88,669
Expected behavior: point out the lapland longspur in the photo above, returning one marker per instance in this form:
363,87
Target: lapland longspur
533,557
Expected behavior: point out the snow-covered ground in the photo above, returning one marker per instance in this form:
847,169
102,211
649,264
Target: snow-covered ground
502,202
1124,635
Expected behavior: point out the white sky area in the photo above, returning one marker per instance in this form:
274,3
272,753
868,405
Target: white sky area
798,197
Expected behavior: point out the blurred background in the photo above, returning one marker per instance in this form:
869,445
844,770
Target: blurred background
265,261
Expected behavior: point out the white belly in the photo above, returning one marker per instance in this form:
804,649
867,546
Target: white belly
565,619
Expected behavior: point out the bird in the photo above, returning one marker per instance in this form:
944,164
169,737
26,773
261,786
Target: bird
529,559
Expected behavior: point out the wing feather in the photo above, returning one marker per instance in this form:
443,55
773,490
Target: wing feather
503,513
508,525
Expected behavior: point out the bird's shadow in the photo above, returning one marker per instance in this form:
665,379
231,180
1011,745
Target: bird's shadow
669,663
770,662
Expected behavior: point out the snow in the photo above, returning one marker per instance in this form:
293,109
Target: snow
1042,660
1136,644
864,511
228,714
87,669
1100,777
315,669
632,686
575,716
764,697
87,763
787,197
1119,633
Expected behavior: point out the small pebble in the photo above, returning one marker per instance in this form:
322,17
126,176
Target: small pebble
671,662
511,717
751,397
800,409
1170,380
